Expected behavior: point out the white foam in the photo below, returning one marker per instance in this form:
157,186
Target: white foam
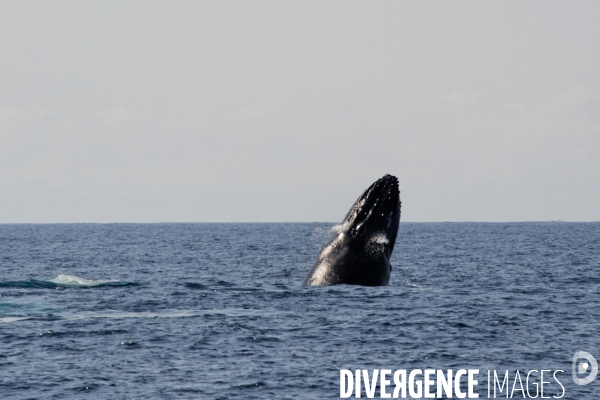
70,280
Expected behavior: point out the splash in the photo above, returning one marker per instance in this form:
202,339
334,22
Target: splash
414,285
339,227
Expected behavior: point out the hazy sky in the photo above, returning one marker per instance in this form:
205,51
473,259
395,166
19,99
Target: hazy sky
146,111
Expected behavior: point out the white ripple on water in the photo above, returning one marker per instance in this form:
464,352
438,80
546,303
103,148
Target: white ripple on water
39,306
13,319
149,314
70,280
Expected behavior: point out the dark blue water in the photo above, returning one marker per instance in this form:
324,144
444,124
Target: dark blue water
217,311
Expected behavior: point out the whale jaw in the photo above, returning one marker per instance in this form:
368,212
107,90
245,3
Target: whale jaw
360,253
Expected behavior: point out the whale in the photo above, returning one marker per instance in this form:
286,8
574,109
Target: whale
360,252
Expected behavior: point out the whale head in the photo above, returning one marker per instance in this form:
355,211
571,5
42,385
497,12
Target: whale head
375,216
360,252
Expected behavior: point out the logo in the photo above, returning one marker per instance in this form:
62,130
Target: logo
465,383
583,367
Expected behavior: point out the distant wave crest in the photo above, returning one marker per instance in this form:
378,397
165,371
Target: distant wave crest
64,281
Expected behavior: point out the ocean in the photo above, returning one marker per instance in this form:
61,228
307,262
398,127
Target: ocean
217,311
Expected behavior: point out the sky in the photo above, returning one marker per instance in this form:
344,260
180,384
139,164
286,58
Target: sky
270,111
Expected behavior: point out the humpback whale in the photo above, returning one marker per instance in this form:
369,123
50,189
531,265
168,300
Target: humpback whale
360,252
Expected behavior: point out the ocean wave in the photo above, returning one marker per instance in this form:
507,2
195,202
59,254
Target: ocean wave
116,314
62,281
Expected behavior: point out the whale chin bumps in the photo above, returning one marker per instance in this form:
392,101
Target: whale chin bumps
360,253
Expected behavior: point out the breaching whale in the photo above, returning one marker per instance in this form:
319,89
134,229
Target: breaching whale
360,253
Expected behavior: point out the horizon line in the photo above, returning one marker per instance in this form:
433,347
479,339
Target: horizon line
289,222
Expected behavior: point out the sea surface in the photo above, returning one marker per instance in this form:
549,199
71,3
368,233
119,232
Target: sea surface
217,311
